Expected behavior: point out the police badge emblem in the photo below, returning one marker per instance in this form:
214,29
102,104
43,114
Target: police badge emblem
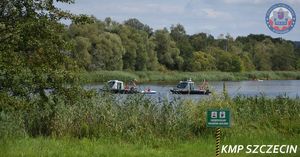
280,18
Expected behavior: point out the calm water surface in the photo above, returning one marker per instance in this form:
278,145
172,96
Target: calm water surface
269,88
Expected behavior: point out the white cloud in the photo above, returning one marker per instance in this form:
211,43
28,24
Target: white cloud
205,11
238,17
295,2
162,8
208,27
212,13
260,1
138,8
245,1
123,7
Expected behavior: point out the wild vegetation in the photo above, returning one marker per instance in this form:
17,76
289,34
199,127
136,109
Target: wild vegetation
134,46
105,120
139,117
204,146
175,76
41,101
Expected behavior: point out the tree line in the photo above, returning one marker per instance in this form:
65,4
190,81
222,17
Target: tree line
132,45
38,52
40,57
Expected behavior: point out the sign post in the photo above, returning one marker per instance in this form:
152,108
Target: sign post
219,118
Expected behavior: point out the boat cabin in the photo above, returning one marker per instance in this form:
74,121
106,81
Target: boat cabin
188,85
115,85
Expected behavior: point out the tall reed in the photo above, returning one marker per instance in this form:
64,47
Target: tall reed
138,117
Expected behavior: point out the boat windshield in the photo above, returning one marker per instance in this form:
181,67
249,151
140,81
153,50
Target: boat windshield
182,85
110,84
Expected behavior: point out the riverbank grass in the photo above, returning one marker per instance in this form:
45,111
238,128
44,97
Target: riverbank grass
174,76
102,125
202,146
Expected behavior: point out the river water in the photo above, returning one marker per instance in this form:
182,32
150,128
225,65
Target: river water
269,88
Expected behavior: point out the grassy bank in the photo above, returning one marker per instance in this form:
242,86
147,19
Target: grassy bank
70,147
172,76
104,125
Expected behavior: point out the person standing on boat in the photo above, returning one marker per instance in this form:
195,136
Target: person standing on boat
126,87
204,85
132,82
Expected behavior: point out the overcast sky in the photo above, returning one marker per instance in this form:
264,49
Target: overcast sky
236,17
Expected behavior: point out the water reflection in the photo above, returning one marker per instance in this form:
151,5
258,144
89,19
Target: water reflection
269,88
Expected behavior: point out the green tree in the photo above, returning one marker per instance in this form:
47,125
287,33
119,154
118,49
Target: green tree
136,24
129,57
167,52
145,50
152,60
298,64
142,55
283,57
297,55
202,62
139,49
83,37
107,52
34,55
81,52
247,62
201,41
88,30
179,35
262,55
229,63
226,61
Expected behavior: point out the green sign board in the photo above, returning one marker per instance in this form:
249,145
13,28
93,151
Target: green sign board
218,118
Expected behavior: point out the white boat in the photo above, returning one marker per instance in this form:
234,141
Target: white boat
188,87
117,87
148,91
